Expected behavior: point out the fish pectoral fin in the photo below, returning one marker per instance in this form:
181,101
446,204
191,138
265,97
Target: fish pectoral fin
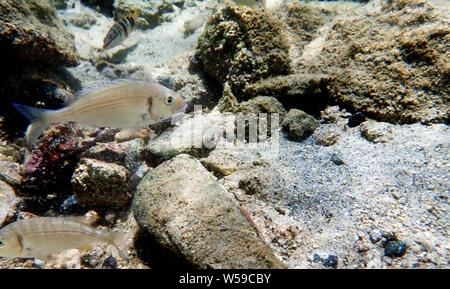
85,248
128,134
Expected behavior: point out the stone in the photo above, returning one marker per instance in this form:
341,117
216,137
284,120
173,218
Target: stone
327,137
32,31
299,124
8,201
241,46
395,248
389,61
208,230
376,132
99,184
10,171
196,135
307,92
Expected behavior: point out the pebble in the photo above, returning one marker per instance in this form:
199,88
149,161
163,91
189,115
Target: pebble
395,248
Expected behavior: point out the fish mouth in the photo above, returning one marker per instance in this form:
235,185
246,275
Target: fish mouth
183,108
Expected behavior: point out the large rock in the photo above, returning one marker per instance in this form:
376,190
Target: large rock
32,31
181,204
241,46
389,60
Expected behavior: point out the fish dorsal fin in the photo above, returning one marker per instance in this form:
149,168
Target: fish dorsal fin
86,91
81,219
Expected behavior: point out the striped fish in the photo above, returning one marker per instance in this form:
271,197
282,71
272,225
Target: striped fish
120,30
128,104
42,237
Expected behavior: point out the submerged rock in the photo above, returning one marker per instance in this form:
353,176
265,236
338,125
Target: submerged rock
241,46
8,201
376,132
98,184
32,31
209,229
389,60
299,124
306,92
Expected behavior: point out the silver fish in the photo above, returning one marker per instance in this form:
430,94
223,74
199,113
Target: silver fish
41,237
128,104
120,30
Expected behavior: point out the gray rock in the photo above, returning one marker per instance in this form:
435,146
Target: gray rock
299,124
100,184
183,206
196,135
8,201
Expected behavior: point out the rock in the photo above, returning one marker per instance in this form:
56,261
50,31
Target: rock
262,104
106,152
150,12
264,183
195,135
332,114
389,61
9,172
395,248
32,31
209,230
331,261
8,201
47,170
336,158
128,154
241,46
299,124
376,132
327,137
98,184
356,119
306,92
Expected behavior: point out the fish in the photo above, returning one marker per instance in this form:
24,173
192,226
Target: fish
120,30
125,103
250,3
42,237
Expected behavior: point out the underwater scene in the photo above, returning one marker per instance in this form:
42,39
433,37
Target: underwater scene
221,134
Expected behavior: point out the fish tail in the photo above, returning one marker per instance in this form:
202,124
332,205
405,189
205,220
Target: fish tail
37,119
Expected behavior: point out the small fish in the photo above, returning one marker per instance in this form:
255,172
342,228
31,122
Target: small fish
250,3
128,104
120,30
40,237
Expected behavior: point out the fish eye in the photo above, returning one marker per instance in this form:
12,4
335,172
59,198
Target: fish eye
169,100
1,243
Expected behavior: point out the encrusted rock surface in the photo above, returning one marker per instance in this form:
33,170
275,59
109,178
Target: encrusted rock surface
389,60
241,46
98,184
